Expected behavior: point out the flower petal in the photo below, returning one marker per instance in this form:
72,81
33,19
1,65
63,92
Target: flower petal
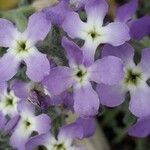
86,101
73,51
37,140
7,70
23,131
108,70
42,123
96,11
139,103
20,89
11,124
58,80
3,87
19,142
24,108
3,121
74,26
88,125
125,52
126,11
116,34
140,28
56,14
38,27
38,66
7,33
145,61
71,132
79,129
111,96
141,128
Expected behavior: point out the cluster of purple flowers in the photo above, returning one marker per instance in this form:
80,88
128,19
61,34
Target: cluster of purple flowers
84,84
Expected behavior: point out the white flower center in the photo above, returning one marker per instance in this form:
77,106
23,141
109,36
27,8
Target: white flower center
81,74
59,146
21,47
93,33
133,78
8,104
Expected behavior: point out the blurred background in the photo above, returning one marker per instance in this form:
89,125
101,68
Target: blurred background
112,124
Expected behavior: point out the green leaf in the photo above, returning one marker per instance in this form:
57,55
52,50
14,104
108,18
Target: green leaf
20,21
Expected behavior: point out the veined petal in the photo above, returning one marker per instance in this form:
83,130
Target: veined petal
7,33
38,66
96,11
111,95
108,70
125,52
8,66
115,33
38,27
86,101
73,51
58,80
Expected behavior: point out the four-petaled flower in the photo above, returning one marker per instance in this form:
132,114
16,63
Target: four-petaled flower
93,32
134,81
79,76
79,129
21,47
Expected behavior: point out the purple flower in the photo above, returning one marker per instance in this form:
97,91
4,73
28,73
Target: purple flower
138,27
78,76
80,129
93,32
126,12
28,123
21,47
8,101
65,99
56,14
134,81
141,128
3,121
35,93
